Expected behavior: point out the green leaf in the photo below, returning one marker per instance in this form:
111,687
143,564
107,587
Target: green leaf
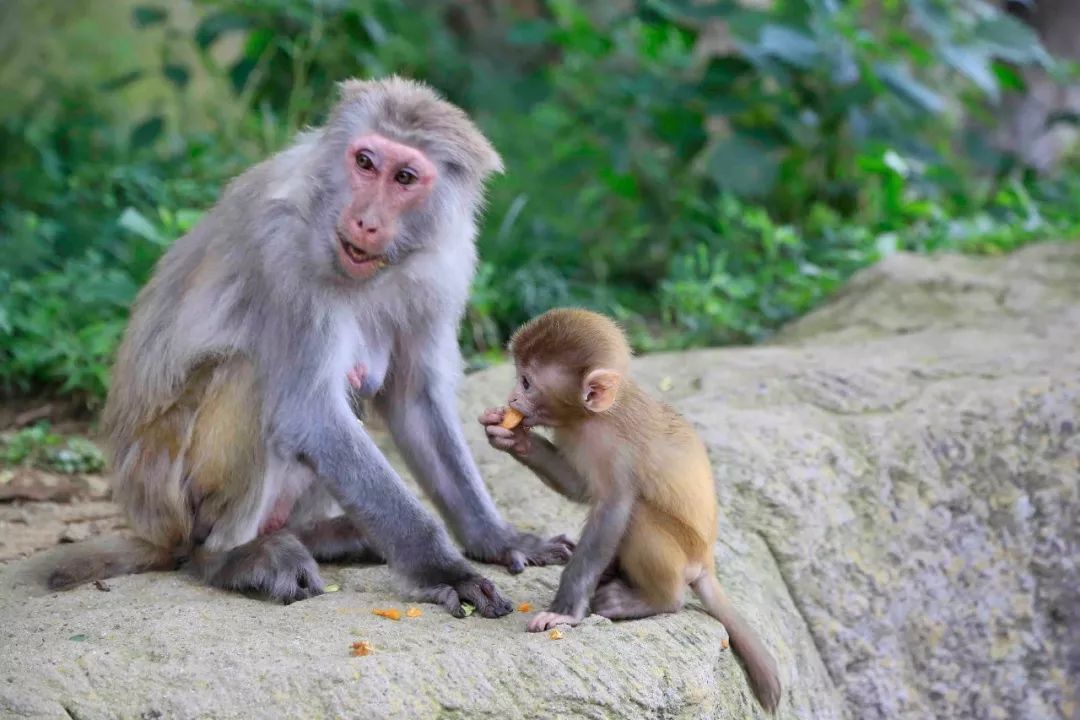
973,63
686,10
147,132
909,89
147,15
743,165
78,638
213,26
531,32
240,72
1008,78
178,75
134,221
789,45
1009,39
121,81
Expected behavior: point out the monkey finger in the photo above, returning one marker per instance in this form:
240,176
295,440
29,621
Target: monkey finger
565,541
517,562
499,431
547,620
482,593
447,597
503,444
491,416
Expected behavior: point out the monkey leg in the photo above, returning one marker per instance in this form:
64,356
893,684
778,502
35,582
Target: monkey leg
331,536
616,600
652,574
337,539
277,566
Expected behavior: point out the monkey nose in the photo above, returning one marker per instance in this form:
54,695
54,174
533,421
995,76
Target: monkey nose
369,227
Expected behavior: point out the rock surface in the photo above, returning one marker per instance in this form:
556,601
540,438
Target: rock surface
899,480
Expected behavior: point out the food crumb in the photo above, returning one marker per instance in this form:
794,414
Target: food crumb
724,643
332,588
389,613
525,607
361,648
414,612
555,634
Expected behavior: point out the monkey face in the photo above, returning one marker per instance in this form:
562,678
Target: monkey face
387,180
543,395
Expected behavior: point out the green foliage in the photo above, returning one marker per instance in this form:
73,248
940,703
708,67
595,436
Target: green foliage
704,172
40,447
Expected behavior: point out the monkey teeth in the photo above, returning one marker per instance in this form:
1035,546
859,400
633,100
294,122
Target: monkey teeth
359,257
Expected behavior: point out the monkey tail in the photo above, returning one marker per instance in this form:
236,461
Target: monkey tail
758,662
107,557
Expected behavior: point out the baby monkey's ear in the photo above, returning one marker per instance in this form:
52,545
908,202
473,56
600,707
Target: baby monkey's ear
599,389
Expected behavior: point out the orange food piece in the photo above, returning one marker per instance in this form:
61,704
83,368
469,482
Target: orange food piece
555,634
511,419
361,648
389,614
525,607
414,612
724,643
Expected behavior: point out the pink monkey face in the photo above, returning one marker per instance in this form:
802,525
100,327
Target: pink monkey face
386,179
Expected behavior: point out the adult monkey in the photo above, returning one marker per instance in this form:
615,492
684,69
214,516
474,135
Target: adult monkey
344,260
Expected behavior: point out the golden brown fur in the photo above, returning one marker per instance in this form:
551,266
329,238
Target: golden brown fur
616,447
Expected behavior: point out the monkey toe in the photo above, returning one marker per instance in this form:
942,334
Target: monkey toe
62,580
529,549
275,566
547,620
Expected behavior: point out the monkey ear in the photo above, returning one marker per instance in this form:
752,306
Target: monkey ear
599,389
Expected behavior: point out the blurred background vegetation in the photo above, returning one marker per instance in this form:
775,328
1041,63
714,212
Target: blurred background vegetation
704,171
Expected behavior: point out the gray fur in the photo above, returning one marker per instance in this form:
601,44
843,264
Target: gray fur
256,287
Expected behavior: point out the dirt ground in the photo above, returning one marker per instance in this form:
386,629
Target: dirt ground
38,508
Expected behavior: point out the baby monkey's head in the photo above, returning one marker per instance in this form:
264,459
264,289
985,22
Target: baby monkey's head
570,365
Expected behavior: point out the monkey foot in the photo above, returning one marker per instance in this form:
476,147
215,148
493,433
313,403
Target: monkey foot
276,566
478,591
547,620
522,549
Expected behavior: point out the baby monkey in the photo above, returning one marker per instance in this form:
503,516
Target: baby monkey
641,468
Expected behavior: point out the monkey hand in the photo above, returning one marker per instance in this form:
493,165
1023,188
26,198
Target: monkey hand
547,620
514,441
471,588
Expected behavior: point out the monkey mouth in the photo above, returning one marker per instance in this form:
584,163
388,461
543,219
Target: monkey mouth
358,261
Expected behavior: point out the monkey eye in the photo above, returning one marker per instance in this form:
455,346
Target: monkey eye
405,177
364,161
524,382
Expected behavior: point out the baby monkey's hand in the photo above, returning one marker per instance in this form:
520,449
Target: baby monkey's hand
512,441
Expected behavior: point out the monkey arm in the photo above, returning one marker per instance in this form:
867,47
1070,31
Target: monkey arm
599,543
315,426
545,460
362,481
426,429
420,407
